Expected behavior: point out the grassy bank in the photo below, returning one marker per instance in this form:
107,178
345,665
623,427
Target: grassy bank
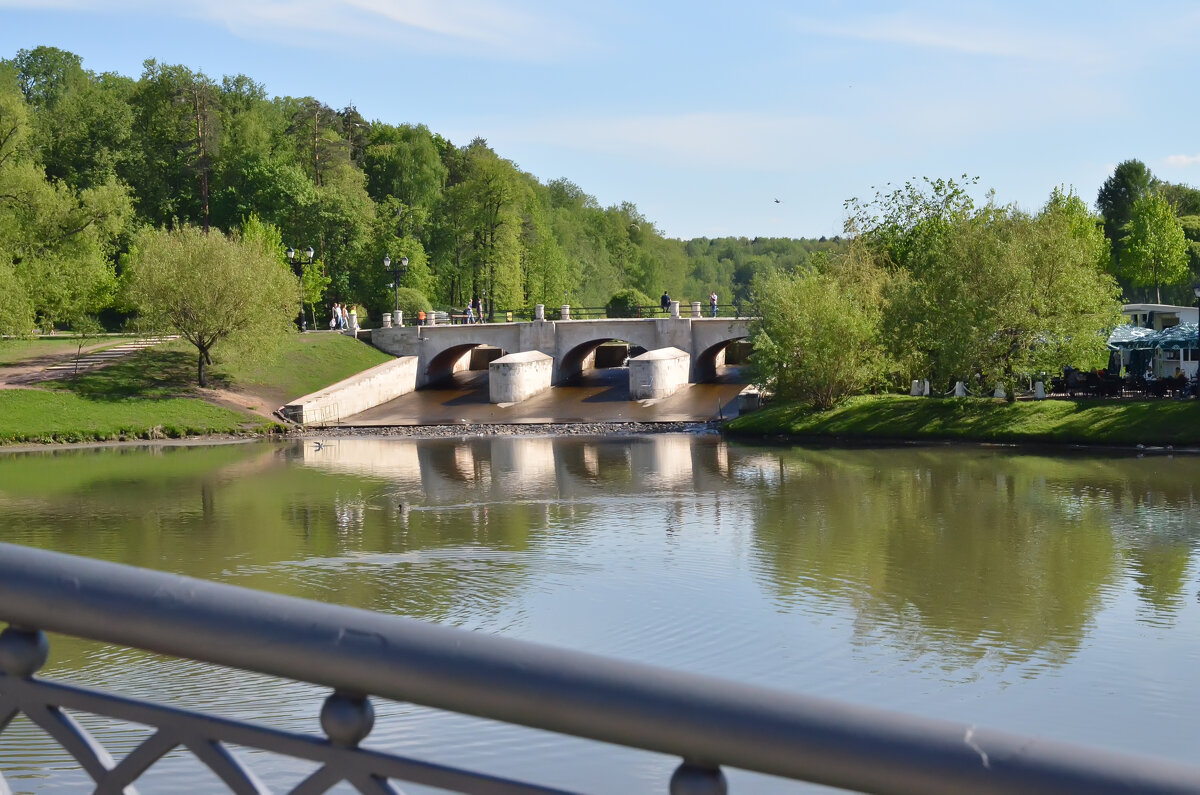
1102,422
153,393
29,415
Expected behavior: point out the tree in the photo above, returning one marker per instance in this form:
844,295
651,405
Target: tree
56,242
991,290
625,303
1155,248
1130,181
818,338
211,288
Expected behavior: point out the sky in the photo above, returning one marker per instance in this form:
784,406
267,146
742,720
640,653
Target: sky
749,118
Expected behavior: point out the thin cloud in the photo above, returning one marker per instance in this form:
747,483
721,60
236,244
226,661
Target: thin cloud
478,27
979,39
690,140
1183,160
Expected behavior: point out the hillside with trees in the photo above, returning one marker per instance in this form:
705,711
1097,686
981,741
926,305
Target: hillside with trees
89,162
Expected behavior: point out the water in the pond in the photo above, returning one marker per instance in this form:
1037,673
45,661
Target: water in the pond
1051,595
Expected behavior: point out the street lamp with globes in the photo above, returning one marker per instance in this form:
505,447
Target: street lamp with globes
299,264
397,274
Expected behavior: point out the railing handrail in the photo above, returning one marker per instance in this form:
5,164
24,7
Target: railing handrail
702,719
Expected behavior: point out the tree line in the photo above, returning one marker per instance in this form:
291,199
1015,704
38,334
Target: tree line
88,162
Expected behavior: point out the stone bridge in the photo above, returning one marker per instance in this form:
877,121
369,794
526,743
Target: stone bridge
536,355
572,344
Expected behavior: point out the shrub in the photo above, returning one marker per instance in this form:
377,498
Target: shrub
411,302
625,303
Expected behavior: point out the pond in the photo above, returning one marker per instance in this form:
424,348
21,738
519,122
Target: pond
1050,595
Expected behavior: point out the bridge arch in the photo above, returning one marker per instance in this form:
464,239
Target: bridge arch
451,360
443,350
706,362
574,361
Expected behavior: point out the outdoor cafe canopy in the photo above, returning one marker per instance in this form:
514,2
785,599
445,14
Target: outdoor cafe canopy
1174,338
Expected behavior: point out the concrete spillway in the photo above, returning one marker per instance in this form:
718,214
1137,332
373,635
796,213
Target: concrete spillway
594,396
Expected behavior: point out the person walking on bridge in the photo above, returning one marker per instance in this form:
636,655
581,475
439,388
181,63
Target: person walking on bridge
665,303
712,301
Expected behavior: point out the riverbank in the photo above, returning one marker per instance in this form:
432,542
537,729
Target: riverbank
897,418
152,394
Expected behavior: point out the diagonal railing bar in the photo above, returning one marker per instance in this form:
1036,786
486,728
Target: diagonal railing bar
321,780
74,739
216,757
137,762
708,722
340,761
372,785
8,711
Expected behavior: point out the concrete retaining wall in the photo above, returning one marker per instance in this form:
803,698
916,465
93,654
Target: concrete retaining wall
518,376
658,373
357,393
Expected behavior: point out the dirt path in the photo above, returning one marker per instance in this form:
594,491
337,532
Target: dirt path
27,373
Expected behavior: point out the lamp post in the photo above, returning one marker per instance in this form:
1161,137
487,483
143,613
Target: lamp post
299,265
397,274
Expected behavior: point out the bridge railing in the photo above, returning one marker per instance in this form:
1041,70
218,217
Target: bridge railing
708,723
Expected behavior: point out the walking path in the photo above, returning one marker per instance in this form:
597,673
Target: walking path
48,368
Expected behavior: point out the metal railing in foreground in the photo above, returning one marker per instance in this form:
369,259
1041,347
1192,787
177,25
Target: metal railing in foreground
708,723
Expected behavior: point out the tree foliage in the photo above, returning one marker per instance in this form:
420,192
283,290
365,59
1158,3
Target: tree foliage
625,303
210,288
818,339
1155,249
988,291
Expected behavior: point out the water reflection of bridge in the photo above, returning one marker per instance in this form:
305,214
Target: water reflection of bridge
531,466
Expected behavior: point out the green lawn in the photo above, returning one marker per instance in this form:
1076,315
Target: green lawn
1116,422
31,415
153,393
303,364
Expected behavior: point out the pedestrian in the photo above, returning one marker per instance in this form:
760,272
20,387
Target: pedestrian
335,317
665,301
712,301
479,308
471,311
345,321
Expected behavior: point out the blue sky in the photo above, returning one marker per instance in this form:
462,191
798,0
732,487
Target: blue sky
703,113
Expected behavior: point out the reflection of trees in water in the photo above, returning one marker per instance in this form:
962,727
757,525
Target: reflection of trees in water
970,553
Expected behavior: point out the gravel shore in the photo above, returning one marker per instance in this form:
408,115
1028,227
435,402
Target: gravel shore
541,429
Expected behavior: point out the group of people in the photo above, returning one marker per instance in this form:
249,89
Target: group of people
665,302
475,310
339,318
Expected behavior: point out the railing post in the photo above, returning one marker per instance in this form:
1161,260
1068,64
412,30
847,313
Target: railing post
565,310
696,309
694,779
674,309
539,312
23,651
347,719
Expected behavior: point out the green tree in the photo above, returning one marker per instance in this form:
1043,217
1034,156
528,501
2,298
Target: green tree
990,290
55,241
1154,244
210,288
817,341
625,303
1129,181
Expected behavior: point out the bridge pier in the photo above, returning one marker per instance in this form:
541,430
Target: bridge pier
518,376
658,373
